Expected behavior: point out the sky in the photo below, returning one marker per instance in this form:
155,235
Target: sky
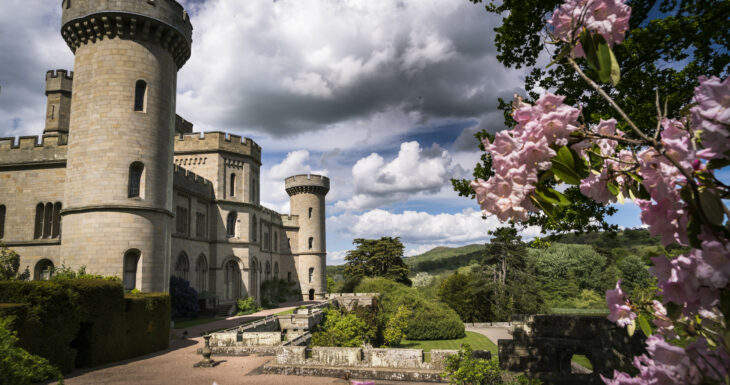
382,96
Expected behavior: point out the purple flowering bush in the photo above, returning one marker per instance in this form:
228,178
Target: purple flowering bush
670,175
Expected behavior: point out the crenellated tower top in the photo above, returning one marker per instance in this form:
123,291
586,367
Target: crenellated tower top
307,183
162,22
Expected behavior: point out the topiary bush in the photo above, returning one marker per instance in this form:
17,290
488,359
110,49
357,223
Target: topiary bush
147,317
247,305
184,298
17,366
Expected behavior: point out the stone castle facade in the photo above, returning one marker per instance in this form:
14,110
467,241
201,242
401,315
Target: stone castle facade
120,184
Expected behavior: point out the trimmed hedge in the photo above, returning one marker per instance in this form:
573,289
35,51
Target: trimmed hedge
147,317
85,322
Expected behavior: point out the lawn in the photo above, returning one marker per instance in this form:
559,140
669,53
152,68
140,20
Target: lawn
571,311
193,322
475,340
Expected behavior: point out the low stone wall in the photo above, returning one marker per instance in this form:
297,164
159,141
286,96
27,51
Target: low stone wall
329,356
245,339
396,358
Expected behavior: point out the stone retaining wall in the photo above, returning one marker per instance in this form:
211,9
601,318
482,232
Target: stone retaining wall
245,339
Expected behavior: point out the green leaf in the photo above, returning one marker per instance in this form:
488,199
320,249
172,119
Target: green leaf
551,196
608,70
612,188
569,166
586,41
644,325
694,229
546,207
674,311
634,176
596,161
631,328
712,207
561,54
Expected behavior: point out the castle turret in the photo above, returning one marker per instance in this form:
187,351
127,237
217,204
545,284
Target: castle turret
307,194
118,203
58,104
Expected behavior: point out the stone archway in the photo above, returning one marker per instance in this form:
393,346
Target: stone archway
232,280
311,294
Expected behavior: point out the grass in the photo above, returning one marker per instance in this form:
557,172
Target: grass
570,311
475,340
286,312
193,322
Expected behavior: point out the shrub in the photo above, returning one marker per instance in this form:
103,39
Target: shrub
9,265
18,367
247,306
148,322
430,320
393,333
463,368
66,273
342,330
184,298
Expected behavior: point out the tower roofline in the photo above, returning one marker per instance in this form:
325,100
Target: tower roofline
307,183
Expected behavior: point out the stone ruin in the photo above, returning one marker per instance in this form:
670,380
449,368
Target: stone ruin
543,349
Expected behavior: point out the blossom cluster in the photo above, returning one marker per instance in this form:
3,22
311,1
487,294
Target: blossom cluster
711,117
610,18
519,154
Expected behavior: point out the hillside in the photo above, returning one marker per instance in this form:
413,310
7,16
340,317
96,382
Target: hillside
445,258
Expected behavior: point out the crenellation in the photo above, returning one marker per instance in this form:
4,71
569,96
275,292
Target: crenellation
217,141
33,149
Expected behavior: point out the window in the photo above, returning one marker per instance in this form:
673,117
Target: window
38,221
182,225
201,270
232,280
2,221
267,238
182,267
253,229
200,225
311,240
268,270
140,96
135,179
288,276
233,185
47,220
311,274
253,190
276,269
131,259
56,226
231,224
43,270
276,240
310,212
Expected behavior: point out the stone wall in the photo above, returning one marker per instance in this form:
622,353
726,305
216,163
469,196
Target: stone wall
229,339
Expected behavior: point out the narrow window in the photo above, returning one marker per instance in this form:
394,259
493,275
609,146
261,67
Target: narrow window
276,269
200,225
2,221
253,191
38,221
276,241
182,267
310,212
311,274
288,276
253,229
131,259
231,224
140,96
268,270
47,220
311,240
56,228
202,271
233,185
135,179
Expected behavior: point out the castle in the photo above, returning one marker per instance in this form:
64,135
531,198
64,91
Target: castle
120,184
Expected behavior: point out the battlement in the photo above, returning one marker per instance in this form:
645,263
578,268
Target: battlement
216,141
33,149
307,183
50,74
186,179
164,22
290,220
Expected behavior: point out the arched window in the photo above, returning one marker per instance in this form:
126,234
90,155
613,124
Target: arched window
276,269
38,220
253,190
182,267
135,179
311,274
310,212
268,270
201,270
47,220
276,240
254,228
56,227
2,221
140,96
231,224
131,260
233,185
311,240
43,270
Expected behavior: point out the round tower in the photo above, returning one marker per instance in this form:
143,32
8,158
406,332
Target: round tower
118,200
306,195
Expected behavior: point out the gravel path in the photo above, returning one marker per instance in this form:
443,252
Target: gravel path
493,333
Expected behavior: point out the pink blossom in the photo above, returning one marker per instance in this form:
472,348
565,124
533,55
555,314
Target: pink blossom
666,365
677,144
713,268
680,282
666,218
610,18
662,321
711,117
714,364
618,305
660,177
594,187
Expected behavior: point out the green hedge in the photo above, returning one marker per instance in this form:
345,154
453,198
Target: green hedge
148,322
85,322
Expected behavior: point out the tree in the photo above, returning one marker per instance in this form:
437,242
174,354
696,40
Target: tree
343,330
506,248
394,328
377,258
10,264
667,46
